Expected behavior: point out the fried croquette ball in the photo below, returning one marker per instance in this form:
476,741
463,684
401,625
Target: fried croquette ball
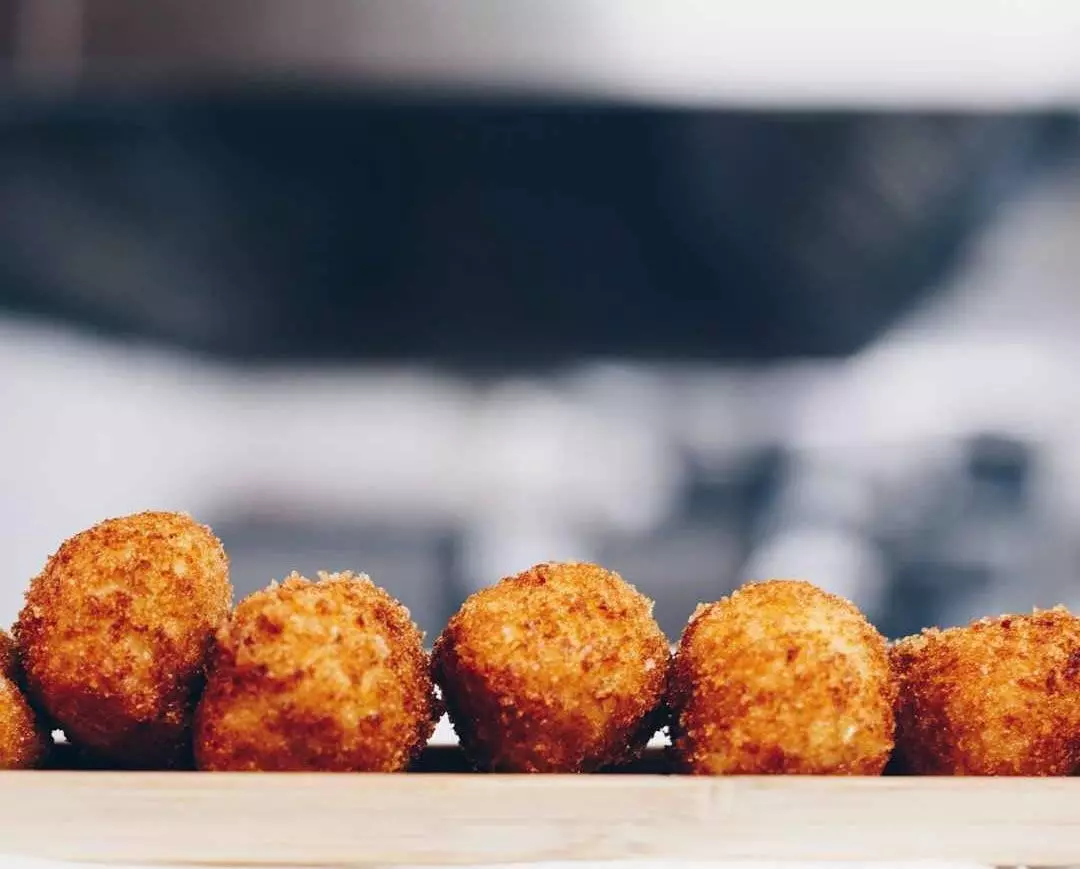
115,633
23,741
998,697
781,677
558,669
326,676
8,656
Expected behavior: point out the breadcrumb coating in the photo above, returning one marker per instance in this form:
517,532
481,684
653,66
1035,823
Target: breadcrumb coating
781,677
115,632
561,668
9,662
321,676
23,744
23,741
998,697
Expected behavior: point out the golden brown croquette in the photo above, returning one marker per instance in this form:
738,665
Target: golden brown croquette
998,697
23,741
321,676
781,677
115,633
9,663
558,669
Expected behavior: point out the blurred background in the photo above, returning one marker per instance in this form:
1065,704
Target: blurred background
435,291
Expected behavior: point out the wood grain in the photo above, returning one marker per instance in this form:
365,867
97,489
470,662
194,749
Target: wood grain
208,819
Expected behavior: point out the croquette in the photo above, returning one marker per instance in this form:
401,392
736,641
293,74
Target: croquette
115,633
561,668
998,697
781,677
8,656
326,676
23,741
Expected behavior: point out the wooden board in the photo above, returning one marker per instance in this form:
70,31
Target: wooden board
206,819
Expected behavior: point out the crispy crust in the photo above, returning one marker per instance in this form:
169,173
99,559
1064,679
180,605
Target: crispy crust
9,662
558,669
781,677
115,633
23,741
23,744
998,697
322,676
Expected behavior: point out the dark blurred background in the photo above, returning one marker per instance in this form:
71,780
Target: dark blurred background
437,291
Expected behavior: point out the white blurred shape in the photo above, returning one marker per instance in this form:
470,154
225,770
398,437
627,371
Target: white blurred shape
93,429
543,454
839,561
503,545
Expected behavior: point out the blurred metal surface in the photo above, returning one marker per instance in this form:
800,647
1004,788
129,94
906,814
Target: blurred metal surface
992,53
279,221
317,226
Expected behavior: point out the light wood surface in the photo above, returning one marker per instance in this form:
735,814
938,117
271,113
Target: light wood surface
342,820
